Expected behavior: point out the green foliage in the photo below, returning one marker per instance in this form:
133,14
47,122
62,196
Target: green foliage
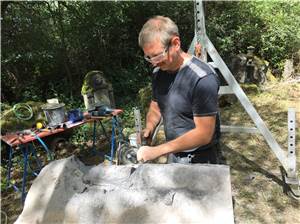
3,178
145,95
9,122
82,134
48,46
282,36
128,116
272,27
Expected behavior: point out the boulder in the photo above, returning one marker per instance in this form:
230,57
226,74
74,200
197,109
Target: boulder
66,191
249,68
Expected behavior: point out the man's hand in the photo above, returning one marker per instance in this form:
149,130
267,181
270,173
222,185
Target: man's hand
146,153
147,135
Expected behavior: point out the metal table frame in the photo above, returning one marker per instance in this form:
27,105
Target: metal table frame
16,144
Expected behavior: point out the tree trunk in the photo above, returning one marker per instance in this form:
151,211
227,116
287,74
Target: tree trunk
61,33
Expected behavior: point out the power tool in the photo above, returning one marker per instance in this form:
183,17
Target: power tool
127,152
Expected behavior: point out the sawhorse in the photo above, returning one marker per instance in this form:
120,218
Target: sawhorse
116,129
23,143
26,149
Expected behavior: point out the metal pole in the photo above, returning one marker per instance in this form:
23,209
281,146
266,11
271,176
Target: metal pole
138,126
9,166
25,153
94,136
200,28
292,139
112,148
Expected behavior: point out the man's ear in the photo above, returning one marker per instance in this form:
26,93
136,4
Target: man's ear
176,43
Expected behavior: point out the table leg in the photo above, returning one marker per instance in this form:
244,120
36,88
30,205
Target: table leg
9,165
9,171
94,136
112,149
25,153
119,127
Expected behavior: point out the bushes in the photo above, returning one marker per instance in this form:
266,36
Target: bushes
272,28
48,47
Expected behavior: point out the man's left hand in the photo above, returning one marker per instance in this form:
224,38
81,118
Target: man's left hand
146,153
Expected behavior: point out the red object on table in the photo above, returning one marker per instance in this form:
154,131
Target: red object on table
15,139
18,138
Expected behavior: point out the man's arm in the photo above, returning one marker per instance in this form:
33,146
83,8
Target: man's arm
202,134
152,119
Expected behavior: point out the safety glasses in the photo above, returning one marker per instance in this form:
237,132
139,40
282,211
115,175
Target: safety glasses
158,58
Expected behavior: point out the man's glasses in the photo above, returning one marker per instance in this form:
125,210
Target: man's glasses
158,58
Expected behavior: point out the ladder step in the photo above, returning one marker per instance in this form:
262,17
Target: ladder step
239,129
225,90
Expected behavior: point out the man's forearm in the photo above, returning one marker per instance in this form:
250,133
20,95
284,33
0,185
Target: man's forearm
189,140
152,120
201,135
153,117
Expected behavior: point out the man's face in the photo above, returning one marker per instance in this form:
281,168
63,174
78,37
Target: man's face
158,55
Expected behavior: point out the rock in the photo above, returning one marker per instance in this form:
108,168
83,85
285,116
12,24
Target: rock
238,67
288,70
249,68
296,60
66,191
270,77
97,91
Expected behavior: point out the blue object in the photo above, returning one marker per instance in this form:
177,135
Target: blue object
102,111
116,127
26,149
75,115
45,146
112,146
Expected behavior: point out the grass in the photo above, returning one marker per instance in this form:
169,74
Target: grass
257,187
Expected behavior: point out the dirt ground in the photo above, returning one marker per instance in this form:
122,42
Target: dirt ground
258,191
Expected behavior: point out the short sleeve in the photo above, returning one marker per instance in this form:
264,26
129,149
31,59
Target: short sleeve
205,96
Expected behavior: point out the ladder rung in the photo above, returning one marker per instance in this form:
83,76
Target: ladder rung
238,129
225,90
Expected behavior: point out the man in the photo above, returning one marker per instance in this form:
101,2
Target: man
185,95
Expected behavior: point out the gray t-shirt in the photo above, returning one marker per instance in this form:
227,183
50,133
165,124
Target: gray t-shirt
189,92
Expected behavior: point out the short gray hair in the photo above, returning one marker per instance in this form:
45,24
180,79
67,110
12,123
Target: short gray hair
158,27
